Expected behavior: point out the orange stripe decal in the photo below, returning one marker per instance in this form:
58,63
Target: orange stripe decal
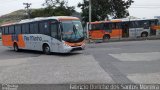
75,44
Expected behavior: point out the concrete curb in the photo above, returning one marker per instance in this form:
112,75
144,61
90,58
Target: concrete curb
124,39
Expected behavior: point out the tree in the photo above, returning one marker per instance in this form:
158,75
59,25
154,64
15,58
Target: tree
119,8
102,9
42,12
54,8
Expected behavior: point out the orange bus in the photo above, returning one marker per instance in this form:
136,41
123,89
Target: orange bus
105,30
60,34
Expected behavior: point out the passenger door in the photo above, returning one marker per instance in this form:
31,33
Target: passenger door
55,39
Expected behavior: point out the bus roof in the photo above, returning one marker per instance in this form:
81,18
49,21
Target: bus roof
97,22
127,19
115,20
59,18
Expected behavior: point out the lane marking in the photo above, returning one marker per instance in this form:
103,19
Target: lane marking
150,78
148,56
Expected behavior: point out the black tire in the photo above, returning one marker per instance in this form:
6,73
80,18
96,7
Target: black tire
46,49
144,34
15,46
106,38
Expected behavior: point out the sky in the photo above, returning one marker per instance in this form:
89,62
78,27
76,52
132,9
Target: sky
145,8
140,8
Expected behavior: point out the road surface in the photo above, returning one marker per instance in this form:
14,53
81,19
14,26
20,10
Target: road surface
117,62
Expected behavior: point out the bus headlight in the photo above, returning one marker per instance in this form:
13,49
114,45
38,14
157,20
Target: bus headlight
66,45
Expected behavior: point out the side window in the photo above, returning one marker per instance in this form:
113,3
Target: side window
0,29
152,23
11,29
146,25
93,26
97,26
126,25
118,25
113,26
137,24
141,23
18,29
54,30
25,28
34,28
156,21
6,31
107,26
132,24
159,23
44,28
3,31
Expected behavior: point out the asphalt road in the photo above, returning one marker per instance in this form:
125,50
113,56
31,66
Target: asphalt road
117,62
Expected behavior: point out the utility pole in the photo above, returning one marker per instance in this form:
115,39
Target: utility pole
90,17
90,10
27,8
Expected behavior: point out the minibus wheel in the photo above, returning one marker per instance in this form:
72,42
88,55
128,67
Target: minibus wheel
46,49
15,46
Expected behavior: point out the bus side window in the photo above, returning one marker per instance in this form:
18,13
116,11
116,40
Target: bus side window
6,31
11,30
113,26
34,28
0,29
108,27
44,28
136,24
118,25
93,27
18,29
25,29
131,24
54,30
146,25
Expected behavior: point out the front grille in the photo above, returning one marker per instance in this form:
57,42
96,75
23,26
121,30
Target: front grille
76,49
76,46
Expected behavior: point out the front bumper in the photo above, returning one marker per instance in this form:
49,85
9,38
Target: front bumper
73,49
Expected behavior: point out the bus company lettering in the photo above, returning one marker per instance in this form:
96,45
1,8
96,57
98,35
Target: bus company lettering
32,38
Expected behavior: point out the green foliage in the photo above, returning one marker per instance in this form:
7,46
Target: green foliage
119,8
102,9
13,17
53,8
